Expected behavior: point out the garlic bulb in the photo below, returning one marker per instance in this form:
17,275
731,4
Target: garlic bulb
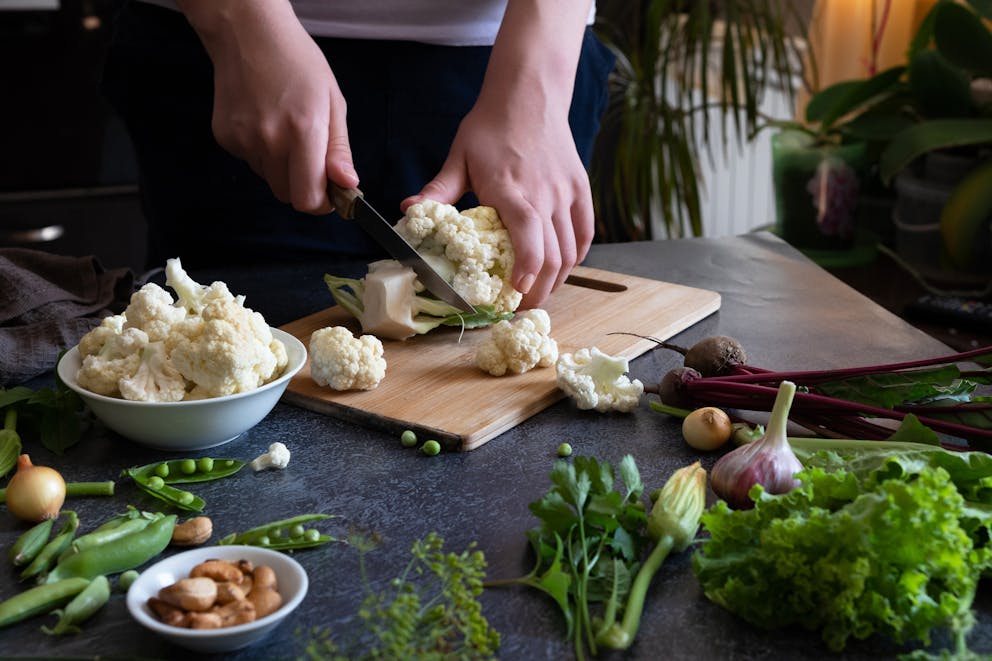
769,461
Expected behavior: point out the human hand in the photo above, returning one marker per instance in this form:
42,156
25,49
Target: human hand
525,165
277,104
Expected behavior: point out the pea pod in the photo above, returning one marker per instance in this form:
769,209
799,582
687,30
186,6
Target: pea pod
53,549
40,599
178,498
103,535
282,535
81,608
183,471
127,552
29,545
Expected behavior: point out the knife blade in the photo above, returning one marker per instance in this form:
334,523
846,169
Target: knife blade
350,204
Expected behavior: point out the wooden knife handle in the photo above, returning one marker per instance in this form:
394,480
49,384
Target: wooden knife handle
343,199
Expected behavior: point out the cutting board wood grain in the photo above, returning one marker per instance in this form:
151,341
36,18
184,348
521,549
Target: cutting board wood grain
433,387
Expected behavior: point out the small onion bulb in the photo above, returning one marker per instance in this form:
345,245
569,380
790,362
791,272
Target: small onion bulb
706,428
35,493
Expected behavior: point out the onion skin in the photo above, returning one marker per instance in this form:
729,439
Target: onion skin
35,493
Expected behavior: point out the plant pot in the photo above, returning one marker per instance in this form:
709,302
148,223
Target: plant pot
816,191
921,194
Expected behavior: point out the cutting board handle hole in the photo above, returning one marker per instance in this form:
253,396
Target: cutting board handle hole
592,283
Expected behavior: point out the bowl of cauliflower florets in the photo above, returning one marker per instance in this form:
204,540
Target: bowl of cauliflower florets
183,373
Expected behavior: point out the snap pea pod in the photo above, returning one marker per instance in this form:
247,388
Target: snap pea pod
10,442
178,498
53,549
282,535
40,599
182,471
127,552
81,608
103,535
29,545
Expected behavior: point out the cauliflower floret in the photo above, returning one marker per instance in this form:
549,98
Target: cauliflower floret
276,457
344,362
151,309
92,342
191,294
595,380
155,380
518,345
118,358
476,244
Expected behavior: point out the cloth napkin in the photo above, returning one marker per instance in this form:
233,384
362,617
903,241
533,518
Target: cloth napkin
48,302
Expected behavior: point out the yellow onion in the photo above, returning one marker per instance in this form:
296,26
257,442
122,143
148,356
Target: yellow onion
35,493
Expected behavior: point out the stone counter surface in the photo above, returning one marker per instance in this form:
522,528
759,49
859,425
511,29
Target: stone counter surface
787,312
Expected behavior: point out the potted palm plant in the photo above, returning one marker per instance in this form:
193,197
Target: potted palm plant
677,60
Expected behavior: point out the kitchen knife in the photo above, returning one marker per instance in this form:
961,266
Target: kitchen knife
351,204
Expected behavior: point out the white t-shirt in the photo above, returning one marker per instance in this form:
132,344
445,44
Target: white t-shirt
445,22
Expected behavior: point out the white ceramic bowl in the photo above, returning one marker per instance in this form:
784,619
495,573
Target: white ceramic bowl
192,425
292,585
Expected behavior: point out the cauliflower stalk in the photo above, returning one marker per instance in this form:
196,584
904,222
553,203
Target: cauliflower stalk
344,362
595,380
204,344
470,249
518,345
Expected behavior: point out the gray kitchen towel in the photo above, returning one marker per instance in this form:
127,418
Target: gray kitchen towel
47,302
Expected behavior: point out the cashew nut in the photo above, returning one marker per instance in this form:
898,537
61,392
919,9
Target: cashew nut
265,600
204,621
264,578
218,570
192,531
236,612
190,594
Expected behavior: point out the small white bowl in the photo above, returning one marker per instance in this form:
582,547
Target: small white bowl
192,425
292,585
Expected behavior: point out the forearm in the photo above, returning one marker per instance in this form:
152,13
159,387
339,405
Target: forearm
536,53
236,24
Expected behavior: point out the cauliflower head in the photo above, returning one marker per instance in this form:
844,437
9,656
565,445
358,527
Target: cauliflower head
518,345
344,362
475,245
595,380
204,344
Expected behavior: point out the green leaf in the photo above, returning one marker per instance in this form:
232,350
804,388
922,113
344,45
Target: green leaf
892,389
929,136
14,395
963,38
939,89
846,97
631,477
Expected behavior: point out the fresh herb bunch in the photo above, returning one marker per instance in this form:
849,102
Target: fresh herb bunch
892,545
55,415
430,612
589,543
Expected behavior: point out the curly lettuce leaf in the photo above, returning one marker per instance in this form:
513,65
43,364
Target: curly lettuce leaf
849,557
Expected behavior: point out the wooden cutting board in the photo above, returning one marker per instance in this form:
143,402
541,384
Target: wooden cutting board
433,387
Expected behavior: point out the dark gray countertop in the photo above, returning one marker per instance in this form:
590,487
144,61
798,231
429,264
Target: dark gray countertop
788,313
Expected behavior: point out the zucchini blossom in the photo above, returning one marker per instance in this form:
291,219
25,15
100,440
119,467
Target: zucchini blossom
672,524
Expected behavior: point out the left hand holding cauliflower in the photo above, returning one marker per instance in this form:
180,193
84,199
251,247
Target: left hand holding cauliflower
595,380
518,345
204,344
344,362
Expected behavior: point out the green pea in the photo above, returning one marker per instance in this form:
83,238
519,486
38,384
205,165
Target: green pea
126,579
408,439
264,540
205,465
162,470
156,482
185,497
297,531
565,450
430,448
187,466
227,463
311,535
